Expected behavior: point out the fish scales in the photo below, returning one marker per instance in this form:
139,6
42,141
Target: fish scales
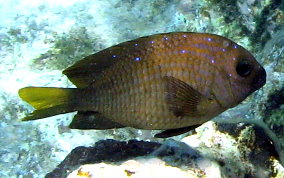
150,92
164,81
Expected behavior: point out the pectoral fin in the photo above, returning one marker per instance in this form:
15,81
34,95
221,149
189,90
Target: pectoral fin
182,99
92,120
175,132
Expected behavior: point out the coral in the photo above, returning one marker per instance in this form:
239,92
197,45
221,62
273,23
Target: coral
264,23
273,51
273,115
104,150
207,152
134,168
67,49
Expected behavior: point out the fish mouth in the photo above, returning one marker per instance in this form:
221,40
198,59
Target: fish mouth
259,80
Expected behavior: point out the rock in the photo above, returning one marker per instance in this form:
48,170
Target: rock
248,152
104,150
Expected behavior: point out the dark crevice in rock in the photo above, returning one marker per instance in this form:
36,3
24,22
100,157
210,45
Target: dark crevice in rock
275,100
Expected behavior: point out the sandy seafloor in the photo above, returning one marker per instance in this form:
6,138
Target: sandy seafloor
38,39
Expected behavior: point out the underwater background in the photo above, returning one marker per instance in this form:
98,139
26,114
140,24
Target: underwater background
39,39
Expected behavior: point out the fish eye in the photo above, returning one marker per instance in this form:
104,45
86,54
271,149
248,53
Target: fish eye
244,68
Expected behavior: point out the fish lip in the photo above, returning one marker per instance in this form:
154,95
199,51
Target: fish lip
259,80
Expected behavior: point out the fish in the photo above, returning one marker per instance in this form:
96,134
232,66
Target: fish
172,82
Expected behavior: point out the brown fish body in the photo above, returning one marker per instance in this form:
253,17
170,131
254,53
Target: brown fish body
165,81
132,91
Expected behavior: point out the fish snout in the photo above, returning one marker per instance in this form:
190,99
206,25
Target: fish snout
259,80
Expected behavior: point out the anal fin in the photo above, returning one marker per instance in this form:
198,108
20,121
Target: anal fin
92,120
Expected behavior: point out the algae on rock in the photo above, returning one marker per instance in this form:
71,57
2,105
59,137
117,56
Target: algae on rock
68,48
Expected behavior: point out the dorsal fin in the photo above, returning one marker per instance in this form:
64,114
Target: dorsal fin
85,71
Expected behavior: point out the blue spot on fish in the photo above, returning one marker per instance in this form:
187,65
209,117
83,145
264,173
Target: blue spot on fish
137,59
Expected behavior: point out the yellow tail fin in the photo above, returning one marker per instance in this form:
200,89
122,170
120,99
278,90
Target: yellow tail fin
48,101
